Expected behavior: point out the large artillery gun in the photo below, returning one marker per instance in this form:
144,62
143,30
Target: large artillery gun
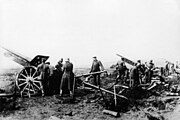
157,72
27,81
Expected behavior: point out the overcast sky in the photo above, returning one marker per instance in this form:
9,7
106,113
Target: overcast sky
80,29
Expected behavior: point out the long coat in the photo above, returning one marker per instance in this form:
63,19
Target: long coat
68,77
134,74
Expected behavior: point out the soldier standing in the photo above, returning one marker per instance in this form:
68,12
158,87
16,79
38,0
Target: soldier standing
141,69
43,68
167,69
134,75
58,76
96,68
59,65
67,78
122,71
151,67
51,78
172,69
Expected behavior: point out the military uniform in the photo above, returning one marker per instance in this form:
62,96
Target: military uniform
150,71
67,78
57,77
122,71
44,74
134,75
51,79
96,68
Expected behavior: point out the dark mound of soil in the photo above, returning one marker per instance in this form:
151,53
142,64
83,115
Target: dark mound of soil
8,104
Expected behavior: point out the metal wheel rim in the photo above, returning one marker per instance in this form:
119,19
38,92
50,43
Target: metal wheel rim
28,81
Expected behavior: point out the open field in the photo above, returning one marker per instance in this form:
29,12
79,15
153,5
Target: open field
89,106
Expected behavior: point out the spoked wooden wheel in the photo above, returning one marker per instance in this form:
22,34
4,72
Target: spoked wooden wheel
28,82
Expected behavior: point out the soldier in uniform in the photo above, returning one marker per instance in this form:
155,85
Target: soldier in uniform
51,78
137,73
67,78
172,71
58,76
122,71
43,68
134,75
167,69
59,65
151,67
141,69
96,65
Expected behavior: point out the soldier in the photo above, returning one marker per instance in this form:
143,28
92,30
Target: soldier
58,76
122,71
167,69
51,78
96,65
59,65
43,68
172,69
151,67
141,69
67,78
134,75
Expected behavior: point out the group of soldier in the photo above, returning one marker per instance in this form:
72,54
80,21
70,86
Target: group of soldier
60,79
139,73
55,78
142,73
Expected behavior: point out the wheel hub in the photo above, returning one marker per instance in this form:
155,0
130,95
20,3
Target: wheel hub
30,79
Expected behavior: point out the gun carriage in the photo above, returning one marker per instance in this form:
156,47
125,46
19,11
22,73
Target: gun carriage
27,81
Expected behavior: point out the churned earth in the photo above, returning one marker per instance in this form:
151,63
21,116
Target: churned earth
89,104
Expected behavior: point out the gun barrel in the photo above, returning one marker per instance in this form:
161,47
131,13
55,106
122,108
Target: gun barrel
127,60
16,57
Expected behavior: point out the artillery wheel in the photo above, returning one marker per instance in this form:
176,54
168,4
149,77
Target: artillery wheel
28,82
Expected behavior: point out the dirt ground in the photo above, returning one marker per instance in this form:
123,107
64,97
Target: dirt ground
87,105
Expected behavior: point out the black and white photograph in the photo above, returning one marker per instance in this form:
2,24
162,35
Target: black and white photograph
89,59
